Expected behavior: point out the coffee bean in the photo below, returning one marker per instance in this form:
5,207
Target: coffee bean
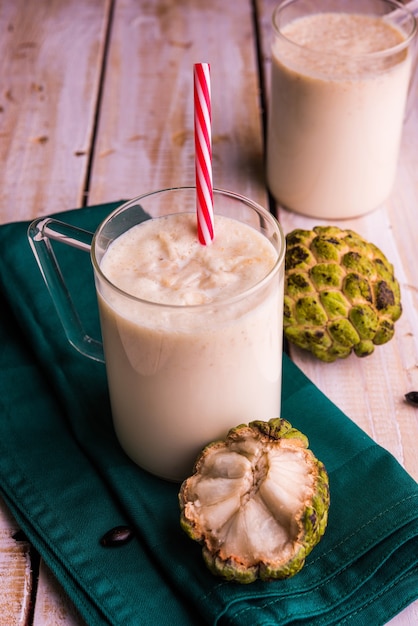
412,397
117,536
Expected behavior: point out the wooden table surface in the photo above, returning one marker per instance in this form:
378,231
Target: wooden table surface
96,105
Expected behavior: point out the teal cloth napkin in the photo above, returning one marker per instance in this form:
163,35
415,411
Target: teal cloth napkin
67,481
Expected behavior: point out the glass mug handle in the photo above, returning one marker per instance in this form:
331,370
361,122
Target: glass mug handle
40,232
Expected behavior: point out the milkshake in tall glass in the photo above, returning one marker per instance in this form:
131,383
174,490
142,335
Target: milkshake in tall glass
192,334
339,84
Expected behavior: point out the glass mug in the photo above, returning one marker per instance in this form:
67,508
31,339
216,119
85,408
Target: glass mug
179,375
340,75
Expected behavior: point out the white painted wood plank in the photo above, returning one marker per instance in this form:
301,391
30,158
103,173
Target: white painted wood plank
53,607
50,58
15,573
146,133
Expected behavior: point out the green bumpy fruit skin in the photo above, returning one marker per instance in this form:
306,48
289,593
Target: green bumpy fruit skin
341,294
311,521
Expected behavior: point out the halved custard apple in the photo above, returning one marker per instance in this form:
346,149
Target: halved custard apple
257,502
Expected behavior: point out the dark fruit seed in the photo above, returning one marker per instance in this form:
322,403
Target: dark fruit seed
412,397
117,536
20,536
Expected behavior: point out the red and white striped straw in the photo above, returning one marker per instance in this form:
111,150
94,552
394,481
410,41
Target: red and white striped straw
203,153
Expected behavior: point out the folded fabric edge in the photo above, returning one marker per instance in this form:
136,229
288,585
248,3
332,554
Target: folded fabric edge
360,608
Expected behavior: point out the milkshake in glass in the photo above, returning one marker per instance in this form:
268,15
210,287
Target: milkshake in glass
339,84
192,334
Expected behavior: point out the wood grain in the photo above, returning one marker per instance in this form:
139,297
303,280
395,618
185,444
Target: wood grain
53,607
145,134
50,63
15,573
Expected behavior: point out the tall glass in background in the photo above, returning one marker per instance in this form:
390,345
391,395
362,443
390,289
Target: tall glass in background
339,89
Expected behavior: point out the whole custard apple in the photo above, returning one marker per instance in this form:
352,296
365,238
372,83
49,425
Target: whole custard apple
341,295
257,502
